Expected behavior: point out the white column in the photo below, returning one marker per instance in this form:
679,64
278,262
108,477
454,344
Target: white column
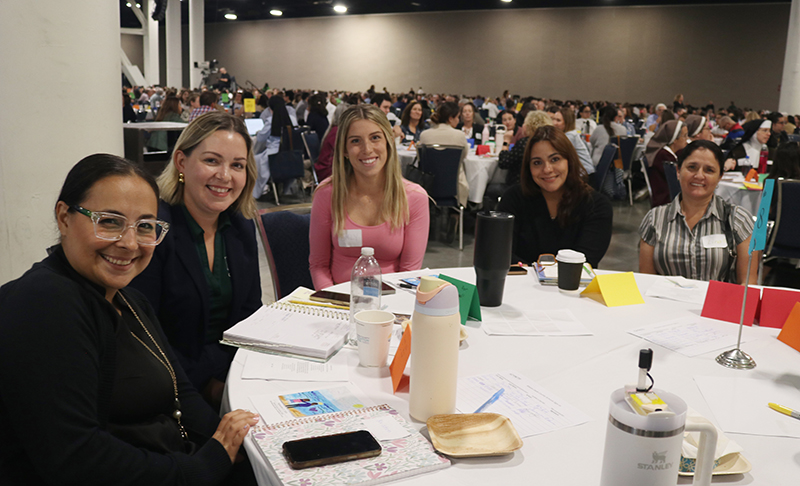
77,51
790,85
152,69
173,38
197,42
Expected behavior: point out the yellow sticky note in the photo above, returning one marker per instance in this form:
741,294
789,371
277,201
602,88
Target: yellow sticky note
519,107
249,105
614,289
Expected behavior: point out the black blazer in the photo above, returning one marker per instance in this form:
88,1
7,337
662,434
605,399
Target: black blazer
477,132
176,288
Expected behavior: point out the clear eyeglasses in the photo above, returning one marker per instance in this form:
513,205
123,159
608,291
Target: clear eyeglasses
111,227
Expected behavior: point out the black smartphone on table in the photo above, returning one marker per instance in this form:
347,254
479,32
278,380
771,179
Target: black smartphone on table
340,298
330,449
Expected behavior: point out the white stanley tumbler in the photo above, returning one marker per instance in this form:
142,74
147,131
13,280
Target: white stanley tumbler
646,449
435,329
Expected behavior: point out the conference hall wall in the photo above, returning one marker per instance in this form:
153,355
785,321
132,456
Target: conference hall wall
647,54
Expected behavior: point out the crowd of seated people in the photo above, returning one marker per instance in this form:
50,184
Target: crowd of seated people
127,323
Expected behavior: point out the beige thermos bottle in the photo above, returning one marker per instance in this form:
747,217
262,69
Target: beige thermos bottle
435,330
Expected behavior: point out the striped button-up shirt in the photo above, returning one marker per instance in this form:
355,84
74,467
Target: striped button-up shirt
696,253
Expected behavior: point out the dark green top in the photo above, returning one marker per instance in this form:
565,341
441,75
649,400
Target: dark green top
219,281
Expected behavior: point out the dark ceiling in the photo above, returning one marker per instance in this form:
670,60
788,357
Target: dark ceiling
215,10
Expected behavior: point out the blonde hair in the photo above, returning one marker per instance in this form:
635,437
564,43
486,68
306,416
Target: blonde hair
536,119
394,207
193,135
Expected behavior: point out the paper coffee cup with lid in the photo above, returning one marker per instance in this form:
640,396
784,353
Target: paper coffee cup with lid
570,268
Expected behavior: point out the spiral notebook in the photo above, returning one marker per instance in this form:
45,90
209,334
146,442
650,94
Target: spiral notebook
302,331
402,455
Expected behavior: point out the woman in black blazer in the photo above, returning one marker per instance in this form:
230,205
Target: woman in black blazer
204,277
470,126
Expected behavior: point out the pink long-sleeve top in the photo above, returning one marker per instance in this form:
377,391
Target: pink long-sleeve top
333,256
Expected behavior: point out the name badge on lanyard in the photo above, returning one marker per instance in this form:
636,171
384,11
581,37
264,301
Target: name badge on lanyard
350,238
714,241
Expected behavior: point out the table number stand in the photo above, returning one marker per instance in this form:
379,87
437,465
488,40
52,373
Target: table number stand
736,358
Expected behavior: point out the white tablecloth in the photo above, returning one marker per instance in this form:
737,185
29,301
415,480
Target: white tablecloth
581,370
735,193
479,170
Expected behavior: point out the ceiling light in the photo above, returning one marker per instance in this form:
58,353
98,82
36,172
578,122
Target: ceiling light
506,1
128,4
276,12
230,16
138,5
339,9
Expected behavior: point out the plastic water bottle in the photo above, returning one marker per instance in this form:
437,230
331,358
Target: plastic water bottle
762,159
365,288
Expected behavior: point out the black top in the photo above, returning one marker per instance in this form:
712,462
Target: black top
511,160
317,122
535,233
477,132
58,366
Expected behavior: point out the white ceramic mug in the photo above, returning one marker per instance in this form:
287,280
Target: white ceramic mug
374,331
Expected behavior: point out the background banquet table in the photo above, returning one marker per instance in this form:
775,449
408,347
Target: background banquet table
735,193
479,169
582,370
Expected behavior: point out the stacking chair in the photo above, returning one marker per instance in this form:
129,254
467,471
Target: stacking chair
312,143
793,137
289,166
626,148
643,167
671,173
284,234
443,161
784,241
609,152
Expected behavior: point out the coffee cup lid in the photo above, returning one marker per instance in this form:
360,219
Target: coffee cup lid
570,256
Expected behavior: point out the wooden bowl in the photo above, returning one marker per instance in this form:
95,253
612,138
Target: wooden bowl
473,434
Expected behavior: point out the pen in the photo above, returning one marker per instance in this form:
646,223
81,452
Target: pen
328,306
784,410
589,270
490,401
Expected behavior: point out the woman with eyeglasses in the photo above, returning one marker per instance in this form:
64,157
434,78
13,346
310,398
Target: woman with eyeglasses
92,391
585,124
204,278
746,153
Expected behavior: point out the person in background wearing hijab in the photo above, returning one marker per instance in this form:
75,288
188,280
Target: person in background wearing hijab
745,154
698,129
268,140
662,148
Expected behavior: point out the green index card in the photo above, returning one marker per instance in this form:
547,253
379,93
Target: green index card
469,305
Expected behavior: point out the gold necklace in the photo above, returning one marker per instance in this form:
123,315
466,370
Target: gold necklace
176,414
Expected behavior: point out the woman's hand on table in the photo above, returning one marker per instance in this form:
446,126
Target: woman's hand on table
232,430
730,164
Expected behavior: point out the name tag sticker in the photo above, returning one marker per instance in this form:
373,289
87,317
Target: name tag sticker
350,238
409,137
714,241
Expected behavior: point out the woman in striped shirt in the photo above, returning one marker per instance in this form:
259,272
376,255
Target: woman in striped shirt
698,235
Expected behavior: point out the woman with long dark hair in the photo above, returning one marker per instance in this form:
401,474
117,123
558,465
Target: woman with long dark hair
554,206
412,123
268,140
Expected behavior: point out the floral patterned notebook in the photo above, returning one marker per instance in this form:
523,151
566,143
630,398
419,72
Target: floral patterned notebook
400,457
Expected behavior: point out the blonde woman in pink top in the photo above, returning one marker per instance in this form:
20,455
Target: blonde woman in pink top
366,202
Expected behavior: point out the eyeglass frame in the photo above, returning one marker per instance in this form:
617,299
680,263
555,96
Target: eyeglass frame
96,215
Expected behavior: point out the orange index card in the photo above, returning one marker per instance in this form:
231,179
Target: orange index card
790,334
614,289
400,360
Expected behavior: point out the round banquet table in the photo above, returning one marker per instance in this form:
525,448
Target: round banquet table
735,193
581,370
479,170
